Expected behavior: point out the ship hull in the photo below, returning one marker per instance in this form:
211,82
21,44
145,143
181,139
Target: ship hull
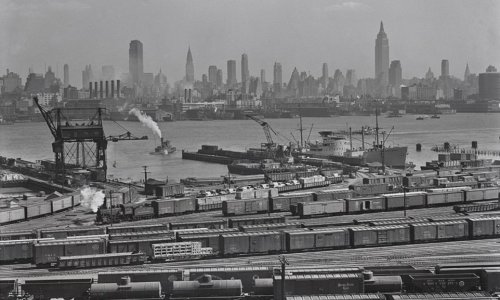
394,157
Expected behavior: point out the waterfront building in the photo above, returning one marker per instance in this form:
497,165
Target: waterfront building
135,62
66,76
212,75
277,78
489,84
231,73
382,57
189,67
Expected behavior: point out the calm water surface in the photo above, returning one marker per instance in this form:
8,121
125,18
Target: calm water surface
32,141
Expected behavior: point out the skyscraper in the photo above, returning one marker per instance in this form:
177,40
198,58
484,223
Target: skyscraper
278,79
245,76
212,74
66,75
189,67
135,62
382,57
219,78
324,77
350,78
395,73
231,73
262,76
87,76
467,72
445,68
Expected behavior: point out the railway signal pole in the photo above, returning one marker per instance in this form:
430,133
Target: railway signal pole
283,262
145,176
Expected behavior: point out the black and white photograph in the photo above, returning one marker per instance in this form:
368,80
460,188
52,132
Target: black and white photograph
249,149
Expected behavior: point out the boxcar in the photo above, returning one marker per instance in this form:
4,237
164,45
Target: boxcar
142,245
250,243
142,235
16,251
273,227
163,207
482,194
47,252
143,212
18,235
397,200
245,207
101,260
319,208
484,226
61,233
61,203
444,197
184,205
10,215
66,288
39,209
444,283
206,240
379,236
369,189
236,222
317,239
282,203
332,194
358,205
437,231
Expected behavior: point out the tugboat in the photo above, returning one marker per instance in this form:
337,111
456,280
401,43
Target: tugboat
435,116
164,148
420,118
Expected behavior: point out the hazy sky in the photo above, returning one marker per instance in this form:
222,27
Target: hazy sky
301,33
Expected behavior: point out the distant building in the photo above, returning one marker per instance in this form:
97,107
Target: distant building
135,62
245,74
429,75
66,76
108,72
50,78
382,57
262,76
148,80
231,73
445,68
278,77
70,93
47,99
489,84
395,78
212,75
35,83
293,83
189,67
467,72
87,77
219,81
324,77
11,81
418,92
350,78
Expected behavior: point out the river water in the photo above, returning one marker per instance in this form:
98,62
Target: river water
32,141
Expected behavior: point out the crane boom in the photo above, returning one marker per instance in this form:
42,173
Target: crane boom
266,127
47,116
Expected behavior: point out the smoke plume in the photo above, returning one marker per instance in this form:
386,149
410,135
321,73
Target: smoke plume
146,121
92,198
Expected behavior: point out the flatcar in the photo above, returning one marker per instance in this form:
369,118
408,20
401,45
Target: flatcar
101,260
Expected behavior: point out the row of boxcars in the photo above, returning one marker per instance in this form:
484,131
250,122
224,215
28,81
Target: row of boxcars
302,282
342,201
40,208
248,239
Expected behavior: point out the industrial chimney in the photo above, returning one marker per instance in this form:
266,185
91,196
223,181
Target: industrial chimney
101,91
190,100
112,88
95,89
107,89
90,91
118,89
185,96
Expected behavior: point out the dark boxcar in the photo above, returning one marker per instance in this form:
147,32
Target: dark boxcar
378,236
184,205
317,239
18,235
48,252
444,197
163,207
61,233
332,194
435,231
245,207
166,277
411,200
444,283
6,286
235,243
310,284
142,245
319,208
265,242
484,226
358,205
490,280
143,212
215,224
369,189
245,274
236,222
65,288
16,251
136,228
282,203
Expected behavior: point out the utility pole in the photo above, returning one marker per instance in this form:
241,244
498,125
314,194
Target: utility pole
283,262
145,176
404,200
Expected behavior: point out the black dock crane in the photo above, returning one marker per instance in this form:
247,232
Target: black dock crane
80,145
270,146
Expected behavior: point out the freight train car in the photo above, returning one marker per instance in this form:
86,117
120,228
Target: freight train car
245,207
62,233
47,252
236,222
101,260
250,243
283,202
330,238
321,208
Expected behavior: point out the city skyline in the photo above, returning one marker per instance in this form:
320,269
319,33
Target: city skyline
417,42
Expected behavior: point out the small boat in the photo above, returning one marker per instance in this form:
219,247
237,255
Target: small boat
394,115
164,148
435,116
420,118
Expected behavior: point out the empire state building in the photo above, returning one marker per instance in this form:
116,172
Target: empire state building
382,57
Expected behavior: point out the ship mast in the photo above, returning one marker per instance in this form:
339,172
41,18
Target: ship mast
376,127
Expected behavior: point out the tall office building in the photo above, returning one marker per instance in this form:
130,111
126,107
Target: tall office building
135,62
324,77
467,72
212,74
262,76
350,78
245,76
219,81
278,78
87,76
382,56
66,75
231,73
445,68
189,67
395,73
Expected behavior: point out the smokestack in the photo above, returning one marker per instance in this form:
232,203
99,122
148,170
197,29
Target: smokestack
118,89
107,89
185,96
190,100
112,88
90,90
95,89
101,92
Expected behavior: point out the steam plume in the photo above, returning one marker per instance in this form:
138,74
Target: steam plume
146,121
92,198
